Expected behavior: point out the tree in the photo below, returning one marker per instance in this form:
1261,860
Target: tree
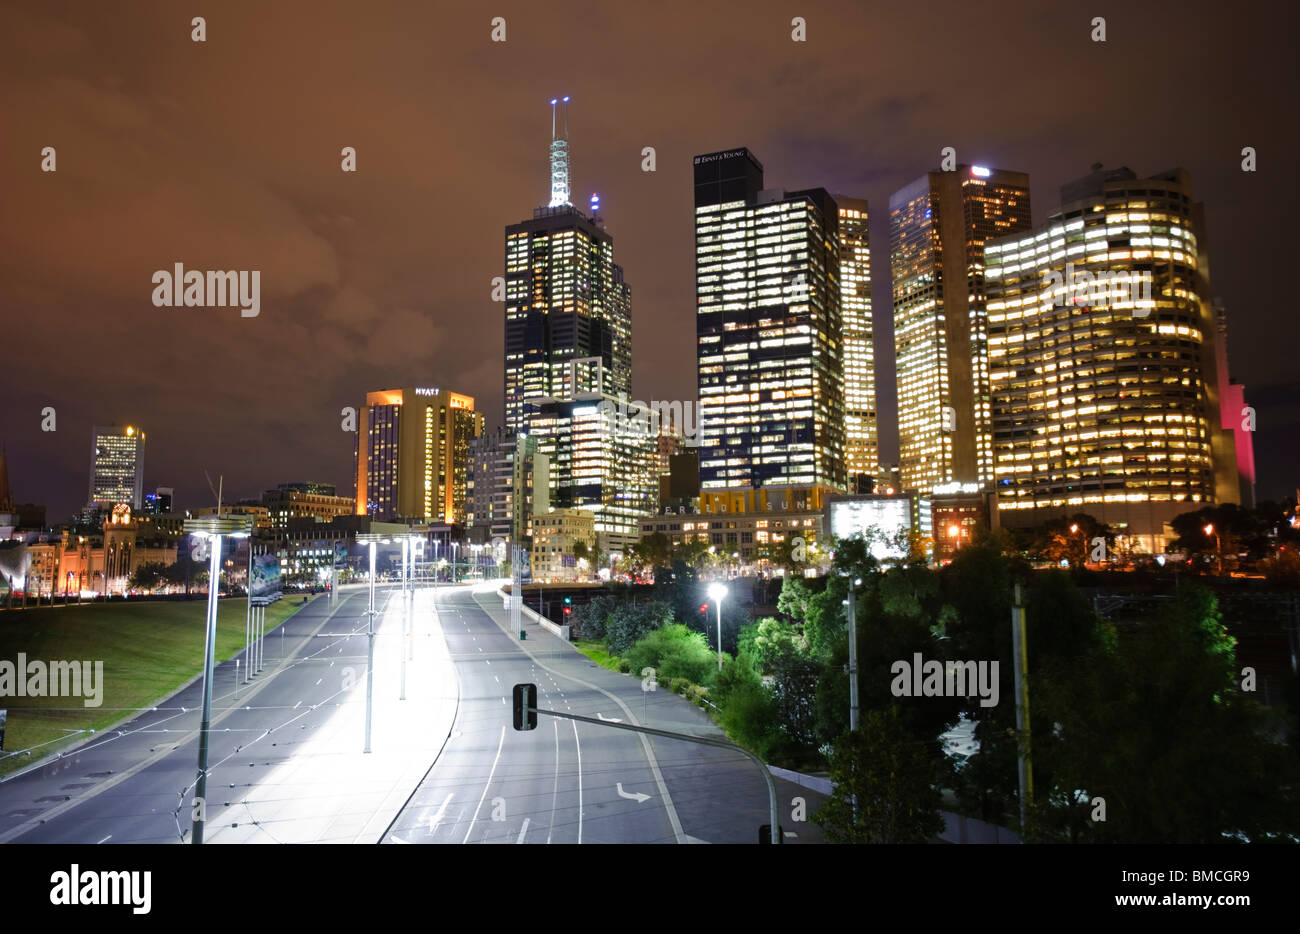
884,786
1070,538
1141,716
148,576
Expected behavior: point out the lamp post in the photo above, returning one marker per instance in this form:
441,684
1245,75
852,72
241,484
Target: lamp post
372,540
716,592
212,527
854,583
1218,545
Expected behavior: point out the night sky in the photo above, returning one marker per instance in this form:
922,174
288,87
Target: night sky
226,155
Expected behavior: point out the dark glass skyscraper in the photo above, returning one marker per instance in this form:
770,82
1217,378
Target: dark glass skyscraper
568,310
769,330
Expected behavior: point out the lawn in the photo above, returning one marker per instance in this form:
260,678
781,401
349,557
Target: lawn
148,649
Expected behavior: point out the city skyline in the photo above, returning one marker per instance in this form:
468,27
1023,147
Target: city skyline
344,309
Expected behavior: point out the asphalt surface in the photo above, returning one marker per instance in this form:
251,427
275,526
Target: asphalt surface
134,784
570,782
565,782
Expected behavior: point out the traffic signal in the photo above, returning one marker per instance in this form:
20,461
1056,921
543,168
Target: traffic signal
568,605
525,706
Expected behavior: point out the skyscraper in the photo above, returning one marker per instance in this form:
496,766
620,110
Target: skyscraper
568,310
413,456
769,330
1103,356
938,226
861,440
569,356
116,467
511,483
602,458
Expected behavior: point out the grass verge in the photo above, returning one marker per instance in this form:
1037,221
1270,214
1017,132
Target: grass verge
598,653
148,650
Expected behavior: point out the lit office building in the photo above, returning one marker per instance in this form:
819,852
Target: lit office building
861,445
1103,361
938,226
568,325
510,483
117,467
413,457
771,379
318,501
603,458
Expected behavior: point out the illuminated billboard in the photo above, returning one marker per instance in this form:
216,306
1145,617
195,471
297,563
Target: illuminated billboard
884,521
264,588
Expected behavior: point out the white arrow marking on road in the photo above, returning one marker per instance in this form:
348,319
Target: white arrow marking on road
635,796
600,716
436,819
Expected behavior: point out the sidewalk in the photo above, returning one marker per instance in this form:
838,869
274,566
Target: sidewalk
332,792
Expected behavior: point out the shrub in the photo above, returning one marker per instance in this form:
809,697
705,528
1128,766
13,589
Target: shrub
675,652
629,622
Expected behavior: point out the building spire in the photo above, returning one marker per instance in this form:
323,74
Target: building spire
559,152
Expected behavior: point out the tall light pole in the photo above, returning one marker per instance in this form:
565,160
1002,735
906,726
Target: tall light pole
854,583
371,539
716,592
213,528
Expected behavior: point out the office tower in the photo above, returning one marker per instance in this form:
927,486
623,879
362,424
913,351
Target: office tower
938,226
117,467
1235,415
602,457
511,483
159,502
771,381
312,501
568,310
413,454
1102,346
861,444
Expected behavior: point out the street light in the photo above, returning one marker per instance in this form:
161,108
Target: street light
852,604
371,539
716,592
1218,547
213,527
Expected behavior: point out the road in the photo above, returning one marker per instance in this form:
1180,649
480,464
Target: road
134,784
569,782
447,767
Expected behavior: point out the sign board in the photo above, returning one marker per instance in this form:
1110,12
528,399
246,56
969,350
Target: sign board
340,553
264,589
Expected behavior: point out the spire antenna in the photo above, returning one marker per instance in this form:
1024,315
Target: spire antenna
560,157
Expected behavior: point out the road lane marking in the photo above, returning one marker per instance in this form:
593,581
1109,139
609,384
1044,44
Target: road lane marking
500,743
523,830
636,796
496,679
436,819
556,786
578,744
101,841
297,705
319,680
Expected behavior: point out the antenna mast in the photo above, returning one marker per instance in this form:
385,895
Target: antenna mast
560,155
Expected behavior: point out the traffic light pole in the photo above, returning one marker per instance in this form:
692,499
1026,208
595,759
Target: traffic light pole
702,740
